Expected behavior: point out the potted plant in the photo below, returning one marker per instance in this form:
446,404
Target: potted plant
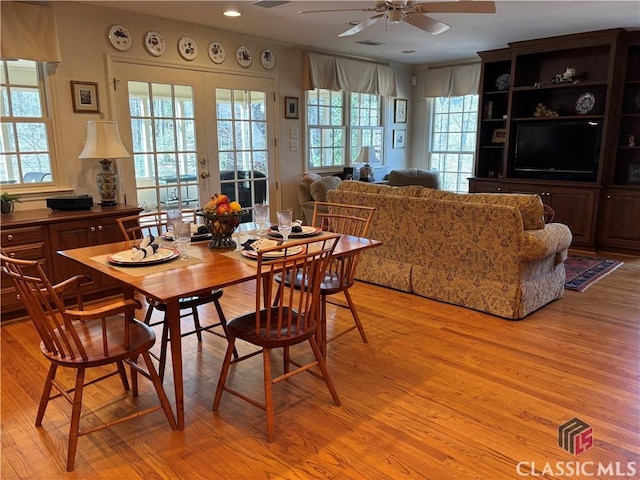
6,202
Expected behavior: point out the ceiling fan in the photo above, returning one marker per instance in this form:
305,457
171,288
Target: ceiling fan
396,11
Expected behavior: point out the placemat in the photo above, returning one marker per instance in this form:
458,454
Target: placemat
142,271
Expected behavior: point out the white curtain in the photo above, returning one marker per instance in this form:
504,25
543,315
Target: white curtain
29,32
452,81
333,73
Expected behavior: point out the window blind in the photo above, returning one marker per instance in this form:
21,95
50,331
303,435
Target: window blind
29,32
452,81
333,73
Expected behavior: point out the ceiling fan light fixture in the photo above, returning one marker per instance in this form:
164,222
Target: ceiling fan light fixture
231,13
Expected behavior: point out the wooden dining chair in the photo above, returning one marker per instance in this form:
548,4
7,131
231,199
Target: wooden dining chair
352,220
81,339
139,226
287,320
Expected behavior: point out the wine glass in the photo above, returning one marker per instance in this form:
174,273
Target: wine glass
182,236
261,216
285,219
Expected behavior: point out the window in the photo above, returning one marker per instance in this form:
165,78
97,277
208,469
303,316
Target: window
334,130
25,148
453,140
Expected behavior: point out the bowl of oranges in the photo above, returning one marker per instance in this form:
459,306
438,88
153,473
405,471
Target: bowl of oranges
221,217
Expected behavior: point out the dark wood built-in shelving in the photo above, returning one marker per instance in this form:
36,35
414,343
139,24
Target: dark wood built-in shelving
603,211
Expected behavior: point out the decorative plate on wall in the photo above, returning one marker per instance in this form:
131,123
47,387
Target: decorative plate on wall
217,53
155,43
243,56
585,103
120,37
187,48
268,59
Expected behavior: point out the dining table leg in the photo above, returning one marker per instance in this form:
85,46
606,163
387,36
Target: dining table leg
173,317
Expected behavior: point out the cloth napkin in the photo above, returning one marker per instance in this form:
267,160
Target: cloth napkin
296,227
259,244
147,248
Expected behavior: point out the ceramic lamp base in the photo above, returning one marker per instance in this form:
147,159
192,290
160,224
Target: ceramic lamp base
107,182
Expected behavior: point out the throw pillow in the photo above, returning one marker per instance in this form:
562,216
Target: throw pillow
311,177
319,188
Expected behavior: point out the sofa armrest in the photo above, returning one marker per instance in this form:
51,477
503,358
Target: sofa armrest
552,239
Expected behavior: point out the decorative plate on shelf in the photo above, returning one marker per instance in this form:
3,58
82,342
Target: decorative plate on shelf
585,103
155,44
267,59
120,37
243,56
216,52
187,48
502,82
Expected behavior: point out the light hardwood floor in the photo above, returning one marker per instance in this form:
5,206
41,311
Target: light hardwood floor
440,392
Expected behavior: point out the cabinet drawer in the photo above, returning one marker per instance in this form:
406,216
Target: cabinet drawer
31,251
16,236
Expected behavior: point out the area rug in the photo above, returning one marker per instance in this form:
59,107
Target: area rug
582,272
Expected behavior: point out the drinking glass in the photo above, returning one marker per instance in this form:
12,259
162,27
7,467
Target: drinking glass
285,218
173,217
182,231
261,217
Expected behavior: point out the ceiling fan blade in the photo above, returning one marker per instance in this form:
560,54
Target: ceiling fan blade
455,7
428,24
362,25
340,10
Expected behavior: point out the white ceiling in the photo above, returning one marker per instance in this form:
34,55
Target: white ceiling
514,20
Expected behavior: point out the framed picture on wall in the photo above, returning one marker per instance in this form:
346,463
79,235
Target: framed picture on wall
499,135
84,96
399,138
290,107
400,111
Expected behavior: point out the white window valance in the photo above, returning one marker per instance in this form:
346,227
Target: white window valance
452,81
333,73
29,32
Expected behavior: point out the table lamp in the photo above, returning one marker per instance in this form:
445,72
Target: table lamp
103,142
367,155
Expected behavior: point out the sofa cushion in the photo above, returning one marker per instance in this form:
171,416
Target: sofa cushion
320,187
381,189
530,206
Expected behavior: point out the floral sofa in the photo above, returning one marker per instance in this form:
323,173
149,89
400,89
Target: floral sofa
488,252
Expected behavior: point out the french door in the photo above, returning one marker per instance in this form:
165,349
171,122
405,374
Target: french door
194,134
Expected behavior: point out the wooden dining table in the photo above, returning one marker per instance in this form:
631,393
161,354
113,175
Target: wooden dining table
206,269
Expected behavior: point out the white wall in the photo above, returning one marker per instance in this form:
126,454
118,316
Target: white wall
87,53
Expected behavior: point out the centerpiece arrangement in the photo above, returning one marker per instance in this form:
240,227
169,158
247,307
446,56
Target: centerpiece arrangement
221,217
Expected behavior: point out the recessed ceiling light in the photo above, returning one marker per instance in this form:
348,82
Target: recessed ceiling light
408,51
231,13
353,23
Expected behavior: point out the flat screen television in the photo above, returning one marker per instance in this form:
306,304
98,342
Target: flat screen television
558,149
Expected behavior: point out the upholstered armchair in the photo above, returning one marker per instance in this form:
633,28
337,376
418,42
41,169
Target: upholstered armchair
312,189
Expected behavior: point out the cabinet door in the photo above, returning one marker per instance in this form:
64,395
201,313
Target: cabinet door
617,226
65,236
573,206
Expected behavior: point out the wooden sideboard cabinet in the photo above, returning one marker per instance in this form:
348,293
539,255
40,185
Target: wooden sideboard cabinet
39,234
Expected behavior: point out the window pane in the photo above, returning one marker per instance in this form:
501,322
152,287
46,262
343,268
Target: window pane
453,140
24,146
162,103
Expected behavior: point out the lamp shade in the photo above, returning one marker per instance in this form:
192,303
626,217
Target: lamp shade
367,155
103,141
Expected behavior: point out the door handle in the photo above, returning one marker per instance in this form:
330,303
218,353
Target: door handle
203,160
205,174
